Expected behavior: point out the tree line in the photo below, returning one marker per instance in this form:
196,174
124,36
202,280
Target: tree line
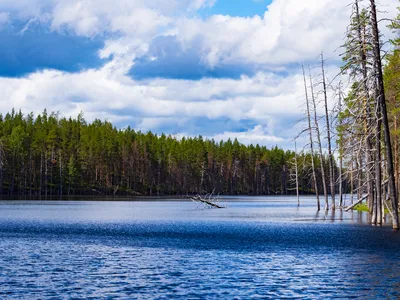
48,155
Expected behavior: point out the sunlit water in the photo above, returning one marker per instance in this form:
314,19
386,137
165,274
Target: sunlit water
256,248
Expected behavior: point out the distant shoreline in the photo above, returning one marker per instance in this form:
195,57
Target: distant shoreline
132,198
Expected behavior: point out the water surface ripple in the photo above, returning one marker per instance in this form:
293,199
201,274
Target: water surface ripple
256,248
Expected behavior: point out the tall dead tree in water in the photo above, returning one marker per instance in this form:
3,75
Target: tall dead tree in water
385,122
321,155
297,173
310,134
329,134
294,172
340,141
361,23
376,209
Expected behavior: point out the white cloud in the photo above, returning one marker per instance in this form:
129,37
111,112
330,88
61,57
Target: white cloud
260,98
134,17
258,135
90,18
290,31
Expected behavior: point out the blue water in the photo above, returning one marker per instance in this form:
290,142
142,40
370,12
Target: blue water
264,247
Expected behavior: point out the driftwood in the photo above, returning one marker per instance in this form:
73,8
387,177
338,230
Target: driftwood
365,197
209,200
358,202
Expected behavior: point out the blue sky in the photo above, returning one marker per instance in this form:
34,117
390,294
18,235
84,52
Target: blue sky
240,8
38,48
217,68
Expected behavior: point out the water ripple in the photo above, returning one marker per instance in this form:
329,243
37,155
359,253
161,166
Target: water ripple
198,258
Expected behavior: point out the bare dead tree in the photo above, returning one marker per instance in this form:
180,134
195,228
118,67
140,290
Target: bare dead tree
318,133
329,134
294,172
297,172
209,200
376,211
340,148
310,133
362,49
385,121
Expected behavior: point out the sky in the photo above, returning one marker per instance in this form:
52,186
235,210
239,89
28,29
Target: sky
217,68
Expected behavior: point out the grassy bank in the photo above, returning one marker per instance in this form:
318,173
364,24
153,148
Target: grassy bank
364,207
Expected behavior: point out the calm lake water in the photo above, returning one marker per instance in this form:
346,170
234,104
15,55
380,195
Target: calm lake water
262,247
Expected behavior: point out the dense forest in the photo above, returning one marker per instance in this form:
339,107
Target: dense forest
47,155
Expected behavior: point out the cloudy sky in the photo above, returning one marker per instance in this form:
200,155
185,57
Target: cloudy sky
219,68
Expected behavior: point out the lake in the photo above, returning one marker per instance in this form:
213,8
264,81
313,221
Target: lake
258,247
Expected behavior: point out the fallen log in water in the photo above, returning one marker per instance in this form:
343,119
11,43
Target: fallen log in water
363,198
358,202
208,200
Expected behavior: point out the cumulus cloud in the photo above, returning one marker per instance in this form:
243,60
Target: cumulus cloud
136,17
244,98
290,31
257,135
90,18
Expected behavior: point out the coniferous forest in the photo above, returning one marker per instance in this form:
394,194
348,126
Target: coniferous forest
46,155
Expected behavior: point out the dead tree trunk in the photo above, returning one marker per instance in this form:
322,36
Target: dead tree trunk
297,173
396,153
340,151
367,111
311,142
376,211
328,130
352,178
321,156
356,203
385,121
209,200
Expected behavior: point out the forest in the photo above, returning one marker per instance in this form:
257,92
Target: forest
47,155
